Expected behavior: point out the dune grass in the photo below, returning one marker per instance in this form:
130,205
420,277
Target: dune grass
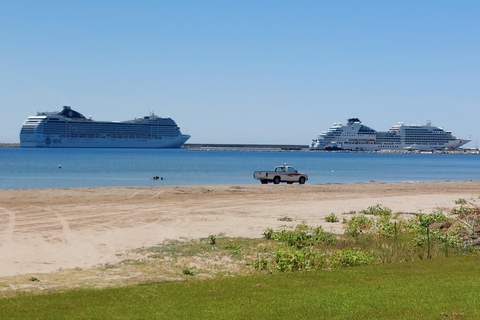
430,289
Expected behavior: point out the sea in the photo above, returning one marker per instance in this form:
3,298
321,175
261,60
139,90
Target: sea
30,168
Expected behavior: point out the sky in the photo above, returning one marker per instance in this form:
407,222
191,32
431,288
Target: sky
244,72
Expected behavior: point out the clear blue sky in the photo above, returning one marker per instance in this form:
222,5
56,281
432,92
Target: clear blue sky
245,71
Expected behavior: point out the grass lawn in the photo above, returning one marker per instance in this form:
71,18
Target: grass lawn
446,288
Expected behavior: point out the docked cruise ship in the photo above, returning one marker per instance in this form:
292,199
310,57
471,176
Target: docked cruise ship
70,129
357,136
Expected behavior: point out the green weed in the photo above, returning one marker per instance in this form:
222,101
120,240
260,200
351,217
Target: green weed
377,210
212,239
331,218
187,271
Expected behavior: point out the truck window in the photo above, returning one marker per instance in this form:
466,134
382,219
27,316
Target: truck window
280,169
292,170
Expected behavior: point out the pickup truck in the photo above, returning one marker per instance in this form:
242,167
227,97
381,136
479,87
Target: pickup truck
283,173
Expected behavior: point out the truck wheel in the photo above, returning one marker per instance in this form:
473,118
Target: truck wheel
264,181
301,180
276,180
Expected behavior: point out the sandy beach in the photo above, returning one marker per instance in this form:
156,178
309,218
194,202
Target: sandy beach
44,230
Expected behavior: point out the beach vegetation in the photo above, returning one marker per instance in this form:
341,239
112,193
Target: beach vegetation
187,271
377,210
461,211
331,218
233,247
212,239
133,262
355,226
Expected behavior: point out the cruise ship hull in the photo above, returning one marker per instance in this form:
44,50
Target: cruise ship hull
377,147
54,141
358,137
70,129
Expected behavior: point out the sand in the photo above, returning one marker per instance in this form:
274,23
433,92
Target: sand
44,230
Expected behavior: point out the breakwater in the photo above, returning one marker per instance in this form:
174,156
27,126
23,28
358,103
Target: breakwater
215,146
9,145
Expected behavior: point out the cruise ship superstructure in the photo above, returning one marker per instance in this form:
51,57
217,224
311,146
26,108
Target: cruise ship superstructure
70,129
357,136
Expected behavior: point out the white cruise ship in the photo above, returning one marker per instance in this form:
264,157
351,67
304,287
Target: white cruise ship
70,129
358,137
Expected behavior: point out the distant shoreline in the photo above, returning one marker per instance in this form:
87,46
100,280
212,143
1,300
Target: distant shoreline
281,147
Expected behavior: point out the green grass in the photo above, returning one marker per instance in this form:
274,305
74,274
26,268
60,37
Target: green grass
410,290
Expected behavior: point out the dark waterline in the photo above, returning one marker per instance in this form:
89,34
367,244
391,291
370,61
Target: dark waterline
22,168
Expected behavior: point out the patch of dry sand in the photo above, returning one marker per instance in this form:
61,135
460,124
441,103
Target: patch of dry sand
46,230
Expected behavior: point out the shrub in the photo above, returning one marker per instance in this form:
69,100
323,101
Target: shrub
358,225
268,233
462,211
212,239
297,238
187,271
302,237
323,237
261,264
234,248
379,237
291,259
331,218
387,228
349,257
377,210
422,228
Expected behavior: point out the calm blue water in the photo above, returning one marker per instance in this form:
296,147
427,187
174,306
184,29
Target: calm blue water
39,168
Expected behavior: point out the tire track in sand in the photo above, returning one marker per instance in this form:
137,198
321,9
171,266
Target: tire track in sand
134,194
67,232
103,250
8,236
